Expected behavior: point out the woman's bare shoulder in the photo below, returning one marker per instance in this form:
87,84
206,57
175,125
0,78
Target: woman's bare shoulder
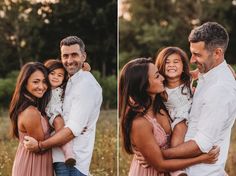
140,122
141,132
30,122
30,114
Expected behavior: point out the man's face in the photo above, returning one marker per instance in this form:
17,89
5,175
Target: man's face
72,58
203,58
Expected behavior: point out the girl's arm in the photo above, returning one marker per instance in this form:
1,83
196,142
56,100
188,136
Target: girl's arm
58,123
144,141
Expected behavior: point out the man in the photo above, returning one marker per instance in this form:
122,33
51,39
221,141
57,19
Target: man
214,103
81,108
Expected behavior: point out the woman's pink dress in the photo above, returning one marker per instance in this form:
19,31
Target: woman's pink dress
27,163
162,139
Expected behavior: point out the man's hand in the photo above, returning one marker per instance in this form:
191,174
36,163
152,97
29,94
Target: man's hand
141,160
212,155
31,144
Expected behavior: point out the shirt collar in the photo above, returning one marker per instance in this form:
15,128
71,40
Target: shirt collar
75,77
212,73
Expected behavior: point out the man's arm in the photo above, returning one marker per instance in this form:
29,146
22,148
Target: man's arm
188,149
214,118
61,137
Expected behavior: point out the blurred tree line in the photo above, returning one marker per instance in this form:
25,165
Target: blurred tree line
31,30
146,26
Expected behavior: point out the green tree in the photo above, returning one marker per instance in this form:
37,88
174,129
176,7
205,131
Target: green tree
31,30
20,23
157,24
95,22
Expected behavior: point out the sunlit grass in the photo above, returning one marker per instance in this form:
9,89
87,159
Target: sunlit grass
104,155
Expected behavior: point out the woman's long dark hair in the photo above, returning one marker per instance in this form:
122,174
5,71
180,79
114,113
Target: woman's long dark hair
22,99
133,96
161,62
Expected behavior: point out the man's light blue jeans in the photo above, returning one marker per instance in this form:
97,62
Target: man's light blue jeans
62,170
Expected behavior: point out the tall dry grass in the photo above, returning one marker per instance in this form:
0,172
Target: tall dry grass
104,156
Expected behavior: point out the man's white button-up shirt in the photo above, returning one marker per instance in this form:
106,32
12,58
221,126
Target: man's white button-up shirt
81,108
212,117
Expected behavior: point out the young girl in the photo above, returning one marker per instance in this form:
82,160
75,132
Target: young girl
57,78
172,63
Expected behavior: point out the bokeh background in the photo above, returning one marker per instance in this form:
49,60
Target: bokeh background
31,30
146,26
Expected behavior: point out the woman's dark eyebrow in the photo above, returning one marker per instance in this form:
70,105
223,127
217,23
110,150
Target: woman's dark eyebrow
37,79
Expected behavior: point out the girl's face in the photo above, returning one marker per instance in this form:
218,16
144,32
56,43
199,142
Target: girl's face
173,66
155,81
56,77
36,84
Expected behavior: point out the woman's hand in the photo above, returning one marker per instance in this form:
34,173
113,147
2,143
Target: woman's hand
212,156
141,160
31,144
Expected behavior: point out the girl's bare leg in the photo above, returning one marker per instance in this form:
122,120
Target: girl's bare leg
58,124
177,138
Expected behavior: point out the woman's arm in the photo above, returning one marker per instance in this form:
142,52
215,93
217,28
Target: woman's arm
144,141
30,123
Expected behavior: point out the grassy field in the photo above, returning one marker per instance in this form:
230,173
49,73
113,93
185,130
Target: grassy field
125,159
104,162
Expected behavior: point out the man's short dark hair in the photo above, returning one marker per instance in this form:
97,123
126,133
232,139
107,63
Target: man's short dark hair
213,34
72,40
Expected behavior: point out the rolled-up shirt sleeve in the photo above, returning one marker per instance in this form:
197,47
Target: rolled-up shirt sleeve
84,102
55,110
213,119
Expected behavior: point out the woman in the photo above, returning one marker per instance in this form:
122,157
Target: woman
145,125
27,114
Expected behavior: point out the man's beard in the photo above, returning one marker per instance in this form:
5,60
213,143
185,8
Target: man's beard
75,68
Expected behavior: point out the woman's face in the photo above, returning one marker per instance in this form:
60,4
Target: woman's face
56,77
36,84
155,80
